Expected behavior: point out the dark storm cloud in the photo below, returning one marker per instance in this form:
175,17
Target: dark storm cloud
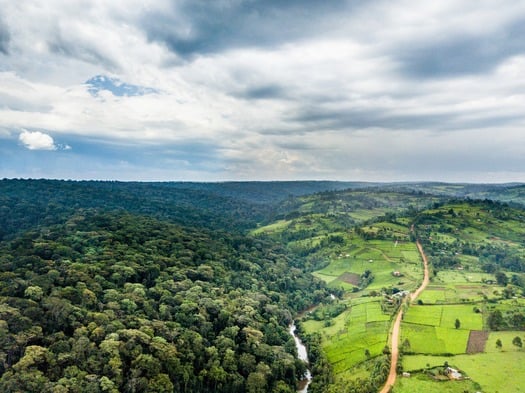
262,92
461,55
317,118
5,37
201,26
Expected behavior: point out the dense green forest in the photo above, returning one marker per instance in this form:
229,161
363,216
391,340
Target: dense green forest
115,302
191,287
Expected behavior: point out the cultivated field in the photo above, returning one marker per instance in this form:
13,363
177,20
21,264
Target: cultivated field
381,257
363,326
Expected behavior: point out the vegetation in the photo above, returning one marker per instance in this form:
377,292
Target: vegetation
189,287
113,302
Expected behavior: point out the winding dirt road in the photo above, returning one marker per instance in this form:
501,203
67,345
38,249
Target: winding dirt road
391,380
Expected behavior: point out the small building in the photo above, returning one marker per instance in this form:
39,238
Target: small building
452,373
406,375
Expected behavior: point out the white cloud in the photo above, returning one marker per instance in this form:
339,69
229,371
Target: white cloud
324,95
36,140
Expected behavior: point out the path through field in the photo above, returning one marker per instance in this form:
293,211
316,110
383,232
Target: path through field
391,380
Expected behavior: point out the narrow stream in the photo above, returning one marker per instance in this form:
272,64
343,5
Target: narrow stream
303,355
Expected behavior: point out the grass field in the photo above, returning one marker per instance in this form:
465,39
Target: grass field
466,315
433,295
421,383
506,341
424,315
494,372
278,226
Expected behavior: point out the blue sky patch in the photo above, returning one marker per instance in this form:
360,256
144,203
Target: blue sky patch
116,87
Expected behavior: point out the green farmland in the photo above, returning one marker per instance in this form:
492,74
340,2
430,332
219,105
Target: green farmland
363,326
470,309
381,257
492,373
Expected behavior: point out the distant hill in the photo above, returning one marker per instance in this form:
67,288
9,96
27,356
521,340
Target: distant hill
233,206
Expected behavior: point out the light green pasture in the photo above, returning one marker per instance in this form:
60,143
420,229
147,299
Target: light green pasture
506,341
495,372
277,226
434,340
422,383
433,295
465,313
424,315
462,276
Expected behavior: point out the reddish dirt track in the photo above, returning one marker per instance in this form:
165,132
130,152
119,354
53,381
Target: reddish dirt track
391,380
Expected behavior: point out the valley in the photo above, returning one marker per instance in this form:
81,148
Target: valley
126,287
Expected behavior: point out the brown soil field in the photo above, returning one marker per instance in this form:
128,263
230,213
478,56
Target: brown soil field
350,278
476,341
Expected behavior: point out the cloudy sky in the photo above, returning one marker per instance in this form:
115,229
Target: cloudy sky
204,90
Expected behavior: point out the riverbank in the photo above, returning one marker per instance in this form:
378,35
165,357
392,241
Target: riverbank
302,354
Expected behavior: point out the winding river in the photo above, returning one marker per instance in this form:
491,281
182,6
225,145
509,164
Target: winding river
303,355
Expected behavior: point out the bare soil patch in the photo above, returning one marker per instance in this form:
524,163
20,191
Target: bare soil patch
350,278
476,341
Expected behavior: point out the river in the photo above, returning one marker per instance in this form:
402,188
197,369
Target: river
303,355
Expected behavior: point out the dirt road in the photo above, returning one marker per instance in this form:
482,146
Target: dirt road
425,273
391,380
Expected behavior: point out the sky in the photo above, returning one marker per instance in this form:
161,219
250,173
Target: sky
201,90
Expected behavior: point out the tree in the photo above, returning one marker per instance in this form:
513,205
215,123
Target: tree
499,344
502,278
517,342
457,324
405,346
34,293
495,320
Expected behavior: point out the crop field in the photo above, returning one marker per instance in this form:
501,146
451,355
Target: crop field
382,257
348,349
431,329
477,340
363,326
360,215
434,339
393,230
462,276
458,287
494,372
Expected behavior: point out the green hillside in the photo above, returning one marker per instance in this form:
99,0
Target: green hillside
115,302
191,287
